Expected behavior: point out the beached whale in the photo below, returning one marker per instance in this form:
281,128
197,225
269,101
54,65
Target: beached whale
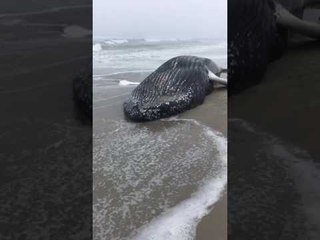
258,33
179,84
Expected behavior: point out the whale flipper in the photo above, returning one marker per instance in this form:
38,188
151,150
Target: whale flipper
217,79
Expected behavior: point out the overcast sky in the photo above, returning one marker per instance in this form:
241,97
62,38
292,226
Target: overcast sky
160,18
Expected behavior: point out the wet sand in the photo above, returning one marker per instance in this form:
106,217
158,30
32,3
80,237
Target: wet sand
284,105
287,98
214,225
212,113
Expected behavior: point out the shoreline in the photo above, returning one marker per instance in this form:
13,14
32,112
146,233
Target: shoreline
214,224
283,105
212,113
287,86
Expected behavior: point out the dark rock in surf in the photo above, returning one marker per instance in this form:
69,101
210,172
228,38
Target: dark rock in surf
179,84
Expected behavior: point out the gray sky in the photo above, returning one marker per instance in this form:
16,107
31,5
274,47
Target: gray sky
160,18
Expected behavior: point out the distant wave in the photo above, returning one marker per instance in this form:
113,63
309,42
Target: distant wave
112,75
132,71
141,56
162,40
122,82
138,40
97,47
116,42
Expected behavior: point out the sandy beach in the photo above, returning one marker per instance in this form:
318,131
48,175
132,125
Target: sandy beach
212,113
156,179
277,123
287,97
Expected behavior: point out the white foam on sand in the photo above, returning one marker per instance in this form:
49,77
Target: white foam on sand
180,222
157,179
126,83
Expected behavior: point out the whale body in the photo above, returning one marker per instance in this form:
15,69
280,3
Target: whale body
179,84
259,33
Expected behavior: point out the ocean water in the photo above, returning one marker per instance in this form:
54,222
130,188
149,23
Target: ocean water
152,180
116,57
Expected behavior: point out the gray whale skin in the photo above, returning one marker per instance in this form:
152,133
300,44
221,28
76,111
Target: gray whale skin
179,84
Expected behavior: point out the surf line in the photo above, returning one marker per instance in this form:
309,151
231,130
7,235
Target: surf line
180,222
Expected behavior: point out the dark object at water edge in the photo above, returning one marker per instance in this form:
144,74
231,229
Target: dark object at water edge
179,84
258,32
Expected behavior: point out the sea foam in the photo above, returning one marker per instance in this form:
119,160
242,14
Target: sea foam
180,222
97,47
126,83
156,180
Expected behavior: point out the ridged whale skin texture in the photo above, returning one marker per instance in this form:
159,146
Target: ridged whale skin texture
178,85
